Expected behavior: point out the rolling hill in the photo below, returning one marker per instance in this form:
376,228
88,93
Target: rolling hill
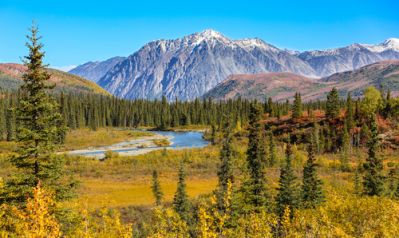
282,86
11,79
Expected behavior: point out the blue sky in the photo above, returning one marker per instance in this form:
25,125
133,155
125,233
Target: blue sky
75,32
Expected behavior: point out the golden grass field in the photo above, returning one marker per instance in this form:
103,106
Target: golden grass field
126,181
96,193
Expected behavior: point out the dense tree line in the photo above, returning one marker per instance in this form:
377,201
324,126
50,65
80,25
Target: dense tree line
94,111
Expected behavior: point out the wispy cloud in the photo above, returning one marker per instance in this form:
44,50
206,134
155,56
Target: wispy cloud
65,68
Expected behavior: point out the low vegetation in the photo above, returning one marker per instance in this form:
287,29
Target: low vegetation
85,138
161,142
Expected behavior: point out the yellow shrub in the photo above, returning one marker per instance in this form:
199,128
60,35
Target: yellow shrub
34,221
106,224
349,216
256,225
167,223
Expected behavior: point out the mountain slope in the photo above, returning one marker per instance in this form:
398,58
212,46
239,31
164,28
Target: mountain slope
281,86
11,79
93,71
186,68
384,74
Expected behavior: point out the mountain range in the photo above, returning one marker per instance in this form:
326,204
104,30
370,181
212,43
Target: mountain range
191,66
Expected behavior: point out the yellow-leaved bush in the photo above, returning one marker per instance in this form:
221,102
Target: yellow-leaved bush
348,216
167,223
37,220
34,220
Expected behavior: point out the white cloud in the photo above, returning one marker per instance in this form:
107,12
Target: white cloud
65,68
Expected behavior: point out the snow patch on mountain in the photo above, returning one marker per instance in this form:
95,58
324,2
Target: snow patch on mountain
389,44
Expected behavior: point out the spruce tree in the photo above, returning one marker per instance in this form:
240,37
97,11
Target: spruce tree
297,107
213,134
38,131
391,182
2,120
387,110
312,193
272,157
345,149
288,190
225,173
10,122
373,181
357,185
156,188
349,112
332,104
365,133
181,203
256,159
269,107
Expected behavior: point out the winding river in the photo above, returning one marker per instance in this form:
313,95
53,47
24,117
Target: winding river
178,140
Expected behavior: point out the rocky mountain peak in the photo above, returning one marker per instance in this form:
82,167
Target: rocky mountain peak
190,66
388,44
392,43
209,36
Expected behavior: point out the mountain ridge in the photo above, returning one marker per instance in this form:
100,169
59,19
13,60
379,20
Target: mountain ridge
190,66
94,70
282,86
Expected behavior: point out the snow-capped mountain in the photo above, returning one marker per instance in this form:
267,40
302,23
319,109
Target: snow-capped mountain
389,44
188,67
328,62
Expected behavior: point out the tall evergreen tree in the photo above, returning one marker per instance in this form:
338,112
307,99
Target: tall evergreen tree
349,112
312,193
38,119
288,190
213,134
225,173
345,149
181,203
156,188
272,157
10,122
332,104
357,185
387,110
297,107
269,107
256,159
373,181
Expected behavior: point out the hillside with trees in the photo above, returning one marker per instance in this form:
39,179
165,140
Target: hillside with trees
11,76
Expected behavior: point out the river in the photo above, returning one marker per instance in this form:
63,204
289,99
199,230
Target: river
178,140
